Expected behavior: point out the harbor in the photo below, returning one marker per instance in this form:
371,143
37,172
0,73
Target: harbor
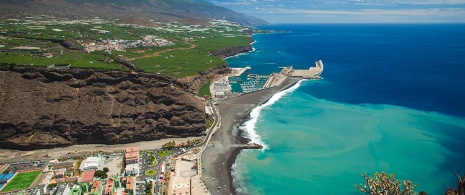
240,82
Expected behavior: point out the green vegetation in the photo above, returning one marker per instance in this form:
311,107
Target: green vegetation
205,90
100,174
163,153
153,160
189,55
21,181
382,183
123,164
168,145
197,141
209,122
148,187
150,172
77,59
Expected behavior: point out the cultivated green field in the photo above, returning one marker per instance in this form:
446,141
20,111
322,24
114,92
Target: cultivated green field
189,55
21,181
205,89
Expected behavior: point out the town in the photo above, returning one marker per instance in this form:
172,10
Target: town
131,171
121,45
171,168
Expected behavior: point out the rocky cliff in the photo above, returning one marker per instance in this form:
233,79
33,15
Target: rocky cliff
231,51
42,108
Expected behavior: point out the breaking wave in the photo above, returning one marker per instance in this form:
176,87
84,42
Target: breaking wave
249,126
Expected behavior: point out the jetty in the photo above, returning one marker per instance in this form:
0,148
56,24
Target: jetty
311,73
251,146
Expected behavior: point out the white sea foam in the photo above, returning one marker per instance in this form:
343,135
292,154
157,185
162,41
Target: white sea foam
238,174
249,126
245,53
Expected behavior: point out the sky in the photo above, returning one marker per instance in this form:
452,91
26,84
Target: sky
350,11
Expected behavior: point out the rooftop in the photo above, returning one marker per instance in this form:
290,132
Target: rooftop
87,176
132,149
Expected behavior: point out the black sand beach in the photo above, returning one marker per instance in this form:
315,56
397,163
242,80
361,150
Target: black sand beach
221,152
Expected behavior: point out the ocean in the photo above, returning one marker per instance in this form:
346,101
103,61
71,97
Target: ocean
392,99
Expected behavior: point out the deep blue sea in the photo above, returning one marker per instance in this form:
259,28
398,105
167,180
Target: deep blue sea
392,99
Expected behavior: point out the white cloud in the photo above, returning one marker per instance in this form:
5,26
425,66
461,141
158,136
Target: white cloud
351,10
407,12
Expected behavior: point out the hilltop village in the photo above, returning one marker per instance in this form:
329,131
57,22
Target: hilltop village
121,45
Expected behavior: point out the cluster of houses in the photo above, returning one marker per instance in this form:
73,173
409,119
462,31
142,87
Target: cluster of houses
121,45
77,177
111,186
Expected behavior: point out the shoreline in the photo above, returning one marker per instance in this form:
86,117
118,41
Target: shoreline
221,153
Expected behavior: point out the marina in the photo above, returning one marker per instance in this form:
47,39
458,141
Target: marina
239,82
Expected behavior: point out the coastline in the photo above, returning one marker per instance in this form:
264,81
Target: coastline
222,151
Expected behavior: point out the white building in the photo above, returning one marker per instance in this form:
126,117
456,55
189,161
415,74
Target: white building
91,163
219,94
132,169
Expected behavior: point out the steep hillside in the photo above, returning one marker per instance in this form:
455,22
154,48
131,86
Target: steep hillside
41,108
158,10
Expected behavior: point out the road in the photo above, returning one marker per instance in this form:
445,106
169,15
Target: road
215,122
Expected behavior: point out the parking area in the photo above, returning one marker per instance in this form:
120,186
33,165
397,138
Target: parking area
114,166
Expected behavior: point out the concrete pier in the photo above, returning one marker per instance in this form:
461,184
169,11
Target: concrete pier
312,72
275,79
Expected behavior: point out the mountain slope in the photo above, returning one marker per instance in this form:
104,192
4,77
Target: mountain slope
157,10
43,108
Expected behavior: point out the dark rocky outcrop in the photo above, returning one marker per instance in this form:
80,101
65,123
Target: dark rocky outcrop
41,108
72,45
232,51
252,146
195,82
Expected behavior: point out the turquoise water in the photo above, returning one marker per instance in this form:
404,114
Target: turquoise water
321,135
246,83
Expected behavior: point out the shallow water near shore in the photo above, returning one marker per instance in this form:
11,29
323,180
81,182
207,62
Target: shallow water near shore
329,144
391,100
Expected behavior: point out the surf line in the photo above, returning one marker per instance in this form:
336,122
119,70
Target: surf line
249,127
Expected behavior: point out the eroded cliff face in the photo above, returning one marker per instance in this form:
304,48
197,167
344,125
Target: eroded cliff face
40,108
232,51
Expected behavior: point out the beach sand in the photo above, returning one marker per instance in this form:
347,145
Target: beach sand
221,151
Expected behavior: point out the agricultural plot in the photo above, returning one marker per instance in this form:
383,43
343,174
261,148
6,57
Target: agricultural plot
189,55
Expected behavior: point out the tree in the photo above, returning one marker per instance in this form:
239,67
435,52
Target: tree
148,187
105,169
123,165
382,183
100,174
169,145
51,186
460,190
